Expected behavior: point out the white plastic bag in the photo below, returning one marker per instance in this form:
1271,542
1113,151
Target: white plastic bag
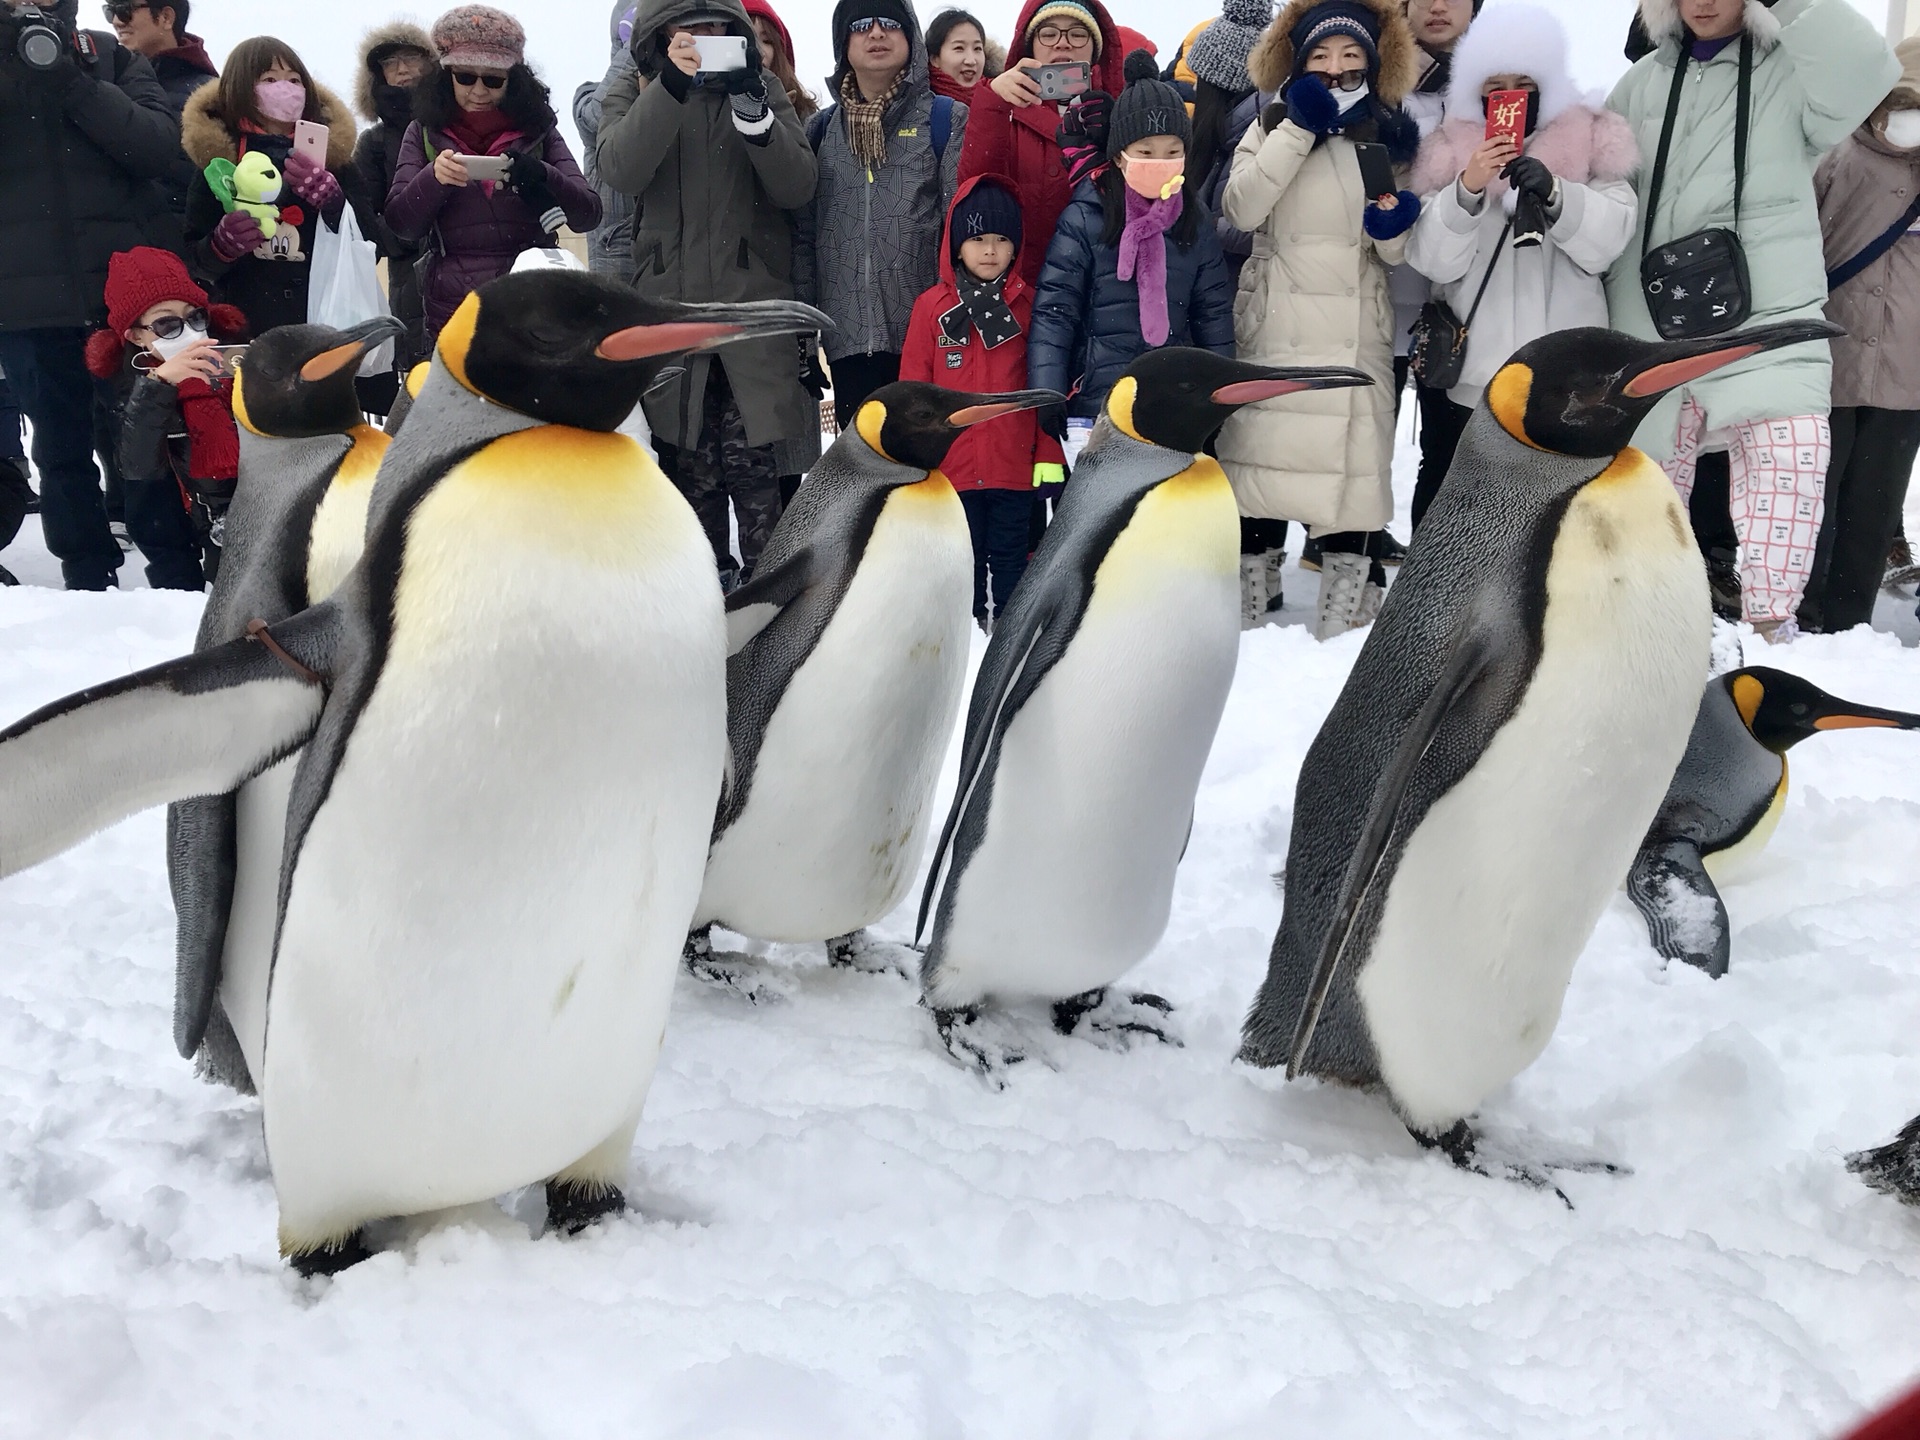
343,286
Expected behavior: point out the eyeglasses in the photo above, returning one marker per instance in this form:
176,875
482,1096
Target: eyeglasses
861,27
120,12
1346,79
1072,37
168,327
474,77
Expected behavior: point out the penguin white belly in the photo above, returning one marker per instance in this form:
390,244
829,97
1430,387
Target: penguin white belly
831,835
246,958
1072,882
486,914
339,530
1500,886
1732,862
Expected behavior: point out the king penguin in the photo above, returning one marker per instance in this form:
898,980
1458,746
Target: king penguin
294,529
1725,800
1478,790
848,652
1892,1168
1093,713
513,714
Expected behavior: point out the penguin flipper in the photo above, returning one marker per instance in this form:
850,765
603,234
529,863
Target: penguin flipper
1686,918
200,725
1468,659
758,603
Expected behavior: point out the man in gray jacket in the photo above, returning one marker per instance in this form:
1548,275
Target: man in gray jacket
889,159
715,163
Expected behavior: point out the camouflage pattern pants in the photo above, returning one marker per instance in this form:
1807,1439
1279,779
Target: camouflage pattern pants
722,467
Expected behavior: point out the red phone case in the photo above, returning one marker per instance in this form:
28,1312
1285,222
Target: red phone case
1507,115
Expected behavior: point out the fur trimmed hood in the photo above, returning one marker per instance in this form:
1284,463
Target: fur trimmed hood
386,37
1513,39
1272,59
1665,27
205,134
1580,144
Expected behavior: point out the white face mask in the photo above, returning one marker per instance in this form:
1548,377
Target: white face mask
167,349
1347,99
1903,128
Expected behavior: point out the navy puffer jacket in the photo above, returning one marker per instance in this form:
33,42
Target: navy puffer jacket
1086,319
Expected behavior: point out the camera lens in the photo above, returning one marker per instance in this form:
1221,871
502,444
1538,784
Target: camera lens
38,47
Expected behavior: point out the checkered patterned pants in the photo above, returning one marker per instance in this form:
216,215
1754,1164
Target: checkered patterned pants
1778,470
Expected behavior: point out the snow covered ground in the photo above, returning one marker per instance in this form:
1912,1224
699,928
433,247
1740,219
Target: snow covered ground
839,1233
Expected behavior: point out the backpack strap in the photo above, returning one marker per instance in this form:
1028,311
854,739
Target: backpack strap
1878,246
817,126
942,125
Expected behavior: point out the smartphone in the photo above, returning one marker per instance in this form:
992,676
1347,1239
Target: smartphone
1376,170
1507,115
1064,81
229,357
721,53
487,167
310,140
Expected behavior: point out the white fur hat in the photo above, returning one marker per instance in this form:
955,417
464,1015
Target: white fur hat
1512,38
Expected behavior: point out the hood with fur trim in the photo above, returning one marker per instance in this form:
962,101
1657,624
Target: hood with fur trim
1272,59
1665,27
205,134
1513,39
386,37
1580,144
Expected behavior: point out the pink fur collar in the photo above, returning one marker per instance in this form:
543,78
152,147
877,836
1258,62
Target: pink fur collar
1579,145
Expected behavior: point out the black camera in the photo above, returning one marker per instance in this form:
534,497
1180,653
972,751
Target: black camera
36,40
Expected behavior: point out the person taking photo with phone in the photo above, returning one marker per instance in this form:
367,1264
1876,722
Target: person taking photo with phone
483,172
1576,161
1315,290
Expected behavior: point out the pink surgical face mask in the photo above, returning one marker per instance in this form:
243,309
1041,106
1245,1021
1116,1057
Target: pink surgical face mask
1155,179
282,100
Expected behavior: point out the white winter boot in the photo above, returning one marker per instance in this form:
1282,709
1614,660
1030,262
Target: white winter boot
1343,593
1276,561
1253,591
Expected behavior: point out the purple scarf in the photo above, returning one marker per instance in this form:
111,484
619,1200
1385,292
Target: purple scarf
1143,258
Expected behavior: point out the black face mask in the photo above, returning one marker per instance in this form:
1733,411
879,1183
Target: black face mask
393,103
1533,109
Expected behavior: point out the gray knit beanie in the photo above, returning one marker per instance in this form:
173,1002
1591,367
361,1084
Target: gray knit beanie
1219,53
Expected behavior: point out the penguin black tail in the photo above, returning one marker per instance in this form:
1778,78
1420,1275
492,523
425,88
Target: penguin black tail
1893,1168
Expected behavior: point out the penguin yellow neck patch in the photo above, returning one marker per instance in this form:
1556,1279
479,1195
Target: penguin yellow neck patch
1120,406
1507,397
869,421
240,403
457,338
1747,695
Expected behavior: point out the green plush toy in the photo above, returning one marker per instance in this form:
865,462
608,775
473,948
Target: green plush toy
253,186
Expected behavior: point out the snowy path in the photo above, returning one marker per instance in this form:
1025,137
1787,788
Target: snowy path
841,1234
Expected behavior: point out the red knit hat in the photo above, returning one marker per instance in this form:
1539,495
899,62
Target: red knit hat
137,280
764,11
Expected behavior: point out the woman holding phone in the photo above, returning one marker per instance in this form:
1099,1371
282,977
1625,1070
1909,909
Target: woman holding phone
483,172
264,95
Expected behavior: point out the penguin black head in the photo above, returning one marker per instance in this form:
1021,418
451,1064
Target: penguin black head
913,423
1781,710
297,381
1178,398
1584,392
570,348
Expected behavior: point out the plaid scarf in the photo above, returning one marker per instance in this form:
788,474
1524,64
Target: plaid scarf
866,131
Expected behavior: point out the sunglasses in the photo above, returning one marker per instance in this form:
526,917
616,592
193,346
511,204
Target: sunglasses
474,77
861,27
168,327
120,12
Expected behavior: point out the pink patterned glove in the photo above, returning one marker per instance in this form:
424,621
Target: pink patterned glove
237,234
313,183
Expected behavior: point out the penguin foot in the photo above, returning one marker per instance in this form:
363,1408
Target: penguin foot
860,951
1115,1020
331,1258
1893,1168
1467,1151
968,1042
727,972
572,1206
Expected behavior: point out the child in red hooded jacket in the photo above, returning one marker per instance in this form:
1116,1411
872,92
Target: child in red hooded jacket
969,332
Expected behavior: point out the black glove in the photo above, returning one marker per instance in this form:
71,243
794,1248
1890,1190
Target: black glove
652,59
813,378
1087,121
752,80
1271,117
1053,421
1530,176
1311,106
527,178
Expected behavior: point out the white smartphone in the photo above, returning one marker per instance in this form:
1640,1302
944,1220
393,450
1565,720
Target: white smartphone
310,140
720,53
486,167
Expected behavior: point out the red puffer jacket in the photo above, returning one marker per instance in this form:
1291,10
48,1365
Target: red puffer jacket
1000,454
1020,143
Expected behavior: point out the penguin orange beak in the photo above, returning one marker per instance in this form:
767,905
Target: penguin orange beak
1289,381
707,327
993,407
1688,360
367,336
1865,717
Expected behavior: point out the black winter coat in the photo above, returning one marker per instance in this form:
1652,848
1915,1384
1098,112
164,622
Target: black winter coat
375,159
181,71
1086,319
81,155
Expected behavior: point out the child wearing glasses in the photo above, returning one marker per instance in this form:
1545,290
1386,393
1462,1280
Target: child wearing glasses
179,451
483,100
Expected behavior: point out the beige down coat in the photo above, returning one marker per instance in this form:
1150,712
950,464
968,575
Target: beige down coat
1313,293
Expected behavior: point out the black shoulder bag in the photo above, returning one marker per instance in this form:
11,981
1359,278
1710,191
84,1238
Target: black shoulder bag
1698,285
1439,350
1878,246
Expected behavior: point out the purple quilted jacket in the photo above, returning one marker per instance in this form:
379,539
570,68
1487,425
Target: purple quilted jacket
480,234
